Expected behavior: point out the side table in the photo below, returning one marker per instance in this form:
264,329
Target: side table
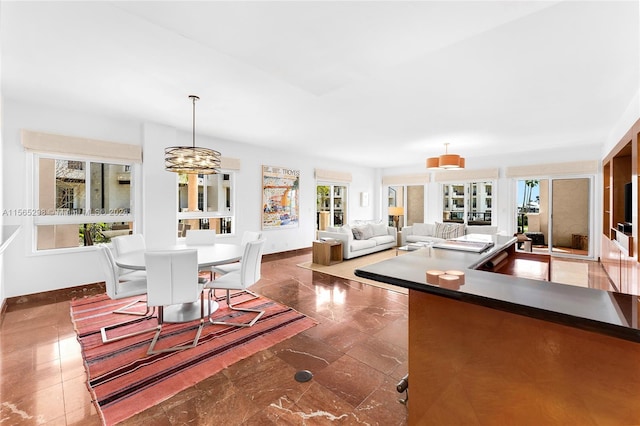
327,252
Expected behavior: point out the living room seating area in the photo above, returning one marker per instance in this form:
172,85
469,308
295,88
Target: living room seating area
437,232
361,239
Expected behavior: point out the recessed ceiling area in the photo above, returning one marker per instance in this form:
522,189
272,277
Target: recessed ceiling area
387,83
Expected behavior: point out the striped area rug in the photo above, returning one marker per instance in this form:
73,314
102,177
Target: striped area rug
124,380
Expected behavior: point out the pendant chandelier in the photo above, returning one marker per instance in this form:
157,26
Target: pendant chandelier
192,159
445,161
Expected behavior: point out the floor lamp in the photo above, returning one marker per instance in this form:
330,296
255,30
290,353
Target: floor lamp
396,212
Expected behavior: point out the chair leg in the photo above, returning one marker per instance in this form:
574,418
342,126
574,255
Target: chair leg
156,337
124,310
105,329
254,296
234,308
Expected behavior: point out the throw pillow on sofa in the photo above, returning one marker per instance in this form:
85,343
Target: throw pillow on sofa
426,229
363,232
449,230
357,233
378,229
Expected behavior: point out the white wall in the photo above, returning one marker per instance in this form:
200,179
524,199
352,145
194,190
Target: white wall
2,297
159,195
625,122
27,272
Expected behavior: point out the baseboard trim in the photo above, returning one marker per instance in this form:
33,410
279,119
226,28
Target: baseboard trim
3,310
51,296
286,254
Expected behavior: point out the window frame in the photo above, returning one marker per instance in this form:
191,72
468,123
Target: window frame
40,216
197,215
416,214
343,209
467,197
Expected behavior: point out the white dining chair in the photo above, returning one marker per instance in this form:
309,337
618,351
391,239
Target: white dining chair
118,288
124,244
200,237
172,279
247,236
241,280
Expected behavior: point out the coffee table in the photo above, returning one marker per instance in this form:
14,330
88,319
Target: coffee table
413,247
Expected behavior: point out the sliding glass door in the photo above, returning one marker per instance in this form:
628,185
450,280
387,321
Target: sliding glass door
569,225
555,214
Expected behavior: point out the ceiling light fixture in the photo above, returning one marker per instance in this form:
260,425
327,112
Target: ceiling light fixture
192,159
445,161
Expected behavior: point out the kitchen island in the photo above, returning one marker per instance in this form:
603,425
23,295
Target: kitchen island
499,349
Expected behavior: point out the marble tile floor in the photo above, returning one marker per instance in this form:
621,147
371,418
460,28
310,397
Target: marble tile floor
573,271
357,354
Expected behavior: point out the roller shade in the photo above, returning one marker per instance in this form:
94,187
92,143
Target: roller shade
227,163
467,175
416,179
333,175
575,167
70,145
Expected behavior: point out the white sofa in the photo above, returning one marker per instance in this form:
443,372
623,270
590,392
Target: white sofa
437,232
361,239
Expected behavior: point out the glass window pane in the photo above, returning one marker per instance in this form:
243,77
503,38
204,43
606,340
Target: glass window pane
414,208
79,235
212,196
80,190
453,203
396,199
467,203
218,192
110,188
222,225
210,193
215,194
481,196
527,202
331,205
61,186
339,205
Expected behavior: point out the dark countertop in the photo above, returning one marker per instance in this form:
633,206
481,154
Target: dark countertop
590,309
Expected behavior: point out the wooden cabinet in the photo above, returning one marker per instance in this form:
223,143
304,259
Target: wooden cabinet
513,369
617,259
619,168
606,197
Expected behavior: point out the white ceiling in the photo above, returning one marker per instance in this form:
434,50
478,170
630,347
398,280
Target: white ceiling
386,83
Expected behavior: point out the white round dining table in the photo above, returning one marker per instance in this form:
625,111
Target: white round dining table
208,255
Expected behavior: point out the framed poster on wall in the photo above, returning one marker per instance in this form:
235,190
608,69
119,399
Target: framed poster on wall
280,197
